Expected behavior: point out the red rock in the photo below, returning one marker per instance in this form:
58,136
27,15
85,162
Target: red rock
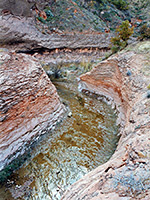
29,104
126,175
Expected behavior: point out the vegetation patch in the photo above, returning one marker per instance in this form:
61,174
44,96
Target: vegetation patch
120,4
148,87
144,32
123,33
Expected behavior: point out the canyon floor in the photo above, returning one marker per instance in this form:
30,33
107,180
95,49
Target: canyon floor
123,80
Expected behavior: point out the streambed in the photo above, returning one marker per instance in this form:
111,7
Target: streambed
85,139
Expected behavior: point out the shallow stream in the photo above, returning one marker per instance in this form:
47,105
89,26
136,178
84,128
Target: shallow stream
85,139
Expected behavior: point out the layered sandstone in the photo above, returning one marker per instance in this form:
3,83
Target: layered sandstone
25,31
123,79
106,80
29,104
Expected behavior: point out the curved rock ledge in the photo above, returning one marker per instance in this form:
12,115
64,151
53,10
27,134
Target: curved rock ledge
28,104
124,79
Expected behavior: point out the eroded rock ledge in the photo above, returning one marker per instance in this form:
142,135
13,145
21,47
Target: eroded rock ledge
26,33
122,78
29,104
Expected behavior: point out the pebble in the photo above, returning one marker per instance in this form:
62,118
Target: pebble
129,73
18,186
70,114
148,94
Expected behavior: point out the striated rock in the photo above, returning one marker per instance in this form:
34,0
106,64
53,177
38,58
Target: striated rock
126,175
25,31
29,104
106,80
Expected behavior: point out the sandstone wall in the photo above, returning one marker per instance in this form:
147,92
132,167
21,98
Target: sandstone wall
29,104
124,79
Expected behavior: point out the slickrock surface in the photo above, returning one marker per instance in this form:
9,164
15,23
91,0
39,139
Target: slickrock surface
123,79
27,34
28,104
106,80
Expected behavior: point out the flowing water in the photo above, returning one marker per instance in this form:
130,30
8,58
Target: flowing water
86,139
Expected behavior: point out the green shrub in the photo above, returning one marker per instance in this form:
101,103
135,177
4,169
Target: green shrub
120,4
144,32
115,48
148,87
123,33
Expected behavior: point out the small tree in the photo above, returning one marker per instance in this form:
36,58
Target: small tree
123,33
